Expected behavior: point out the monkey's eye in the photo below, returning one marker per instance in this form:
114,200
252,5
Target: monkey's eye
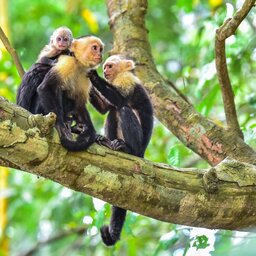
58,39
109,66
94,47
65,39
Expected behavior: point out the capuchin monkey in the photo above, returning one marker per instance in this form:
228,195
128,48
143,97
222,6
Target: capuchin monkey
60,41
63,88
129,122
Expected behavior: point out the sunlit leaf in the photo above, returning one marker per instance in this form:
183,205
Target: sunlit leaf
215,3
91,20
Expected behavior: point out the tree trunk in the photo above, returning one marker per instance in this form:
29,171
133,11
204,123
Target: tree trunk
210,141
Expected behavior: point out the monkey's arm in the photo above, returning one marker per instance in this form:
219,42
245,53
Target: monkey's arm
50,96
98,101
108,91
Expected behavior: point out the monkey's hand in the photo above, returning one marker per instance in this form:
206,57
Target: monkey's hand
92,74
103,141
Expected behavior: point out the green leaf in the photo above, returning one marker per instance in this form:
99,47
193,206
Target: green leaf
174,156
201,242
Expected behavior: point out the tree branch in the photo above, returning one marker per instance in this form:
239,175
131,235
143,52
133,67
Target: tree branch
12,52
222,197
178,91
227,29
211,142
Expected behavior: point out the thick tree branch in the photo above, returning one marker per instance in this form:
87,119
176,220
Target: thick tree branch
211,142
221,197
12,52
226,30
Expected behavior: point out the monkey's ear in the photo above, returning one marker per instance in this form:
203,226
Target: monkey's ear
129,64
73,45
51,39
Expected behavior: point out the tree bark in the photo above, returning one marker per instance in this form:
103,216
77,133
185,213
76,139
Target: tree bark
212,142
222,197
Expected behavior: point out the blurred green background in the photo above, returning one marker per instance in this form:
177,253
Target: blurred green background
182,37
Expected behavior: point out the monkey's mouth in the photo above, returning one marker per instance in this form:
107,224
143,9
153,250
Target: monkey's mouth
62,47
107,76
98,59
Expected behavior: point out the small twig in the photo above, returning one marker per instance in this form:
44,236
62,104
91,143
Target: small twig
177,91
12,52
75,231
226,30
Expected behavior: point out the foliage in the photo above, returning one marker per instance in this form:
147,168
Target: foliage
182,37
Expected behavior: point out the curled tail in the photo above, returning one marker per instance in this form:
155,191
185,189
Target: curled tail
82,142
111,234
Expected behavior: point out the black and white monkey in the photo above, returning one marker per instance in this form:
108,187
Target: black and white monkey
60,41
62,87
59,44
129,122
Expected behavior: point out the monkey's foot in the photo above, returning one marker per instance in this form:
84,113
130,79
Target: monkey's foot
103,141
79,128
118,144
64,131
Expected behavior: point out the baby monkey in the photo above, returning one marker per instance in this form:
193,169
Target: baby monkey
60,41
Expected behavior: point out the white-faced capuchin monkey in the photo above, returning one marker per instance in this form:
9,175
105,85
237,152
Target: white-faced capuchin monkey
64,88
129,122
60,41
59,44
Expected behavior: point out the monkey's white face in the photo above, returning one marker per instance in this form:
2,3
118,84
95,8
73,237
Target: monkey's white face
88,51
110,70
62,43
61,39
116,65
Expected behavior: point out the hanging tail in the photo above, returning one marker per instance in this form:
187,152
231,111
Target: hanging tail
111,234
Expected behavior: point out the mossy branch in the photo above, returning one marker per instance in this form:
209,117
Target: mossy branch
222,197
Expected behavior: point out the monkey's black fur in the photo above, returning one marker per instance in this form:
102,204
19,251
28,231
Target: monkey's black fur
131,115
40,92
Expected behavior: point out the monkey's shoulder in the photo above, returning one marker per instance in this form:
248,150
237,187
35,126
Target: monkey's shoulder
125,83
67,66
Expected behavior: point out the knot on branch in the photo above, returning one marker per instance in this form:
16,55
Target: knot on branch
225,30
44,123
210,181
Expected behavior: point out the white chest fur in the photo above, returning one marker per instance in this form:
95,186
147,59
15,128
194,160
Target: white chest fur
74,78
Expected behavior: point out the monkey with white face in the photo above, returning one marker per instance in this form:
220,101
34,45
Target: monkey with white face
60,42
129,122
64,88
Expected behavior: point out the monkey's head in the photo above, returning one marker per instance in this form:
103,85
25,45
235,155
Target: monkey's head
61,38
88,50
115,65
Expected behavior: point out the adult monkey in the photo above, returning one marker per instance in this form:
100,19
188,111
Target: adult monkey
64,88
129,122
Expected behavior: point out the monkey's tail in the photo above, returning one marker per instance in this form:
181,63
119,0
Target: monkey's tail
111,234
81,143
